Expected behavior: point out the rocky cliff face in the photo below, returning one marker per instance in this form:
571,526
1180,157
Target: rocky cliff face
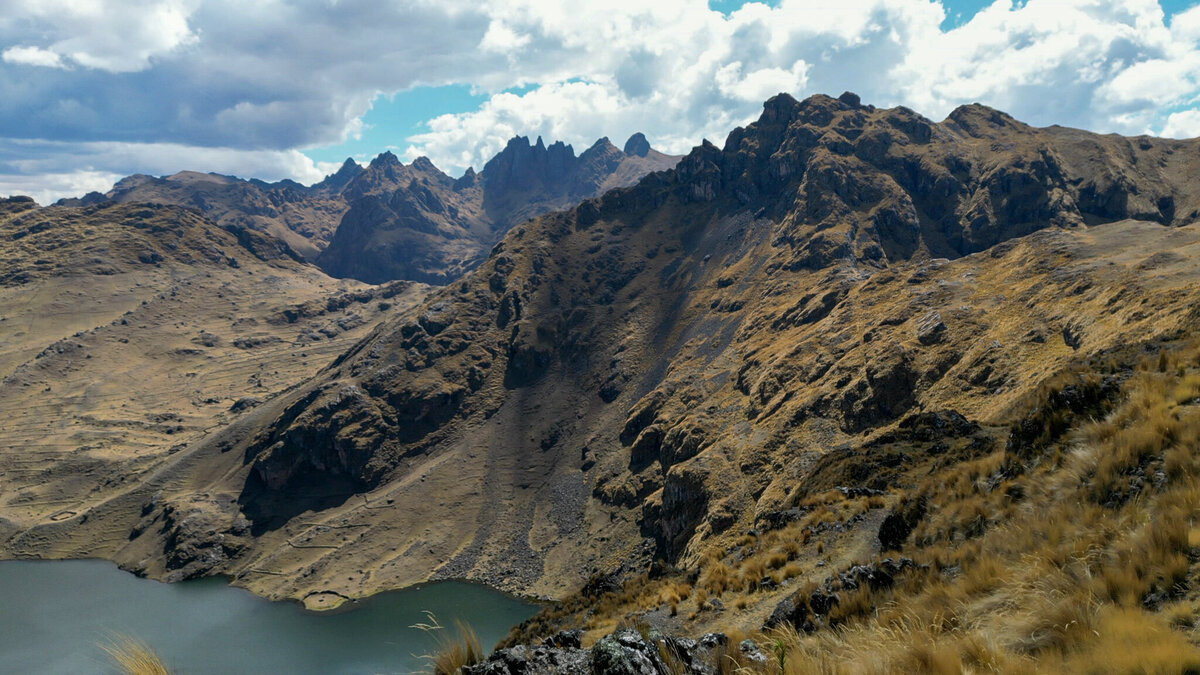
415,222
661,366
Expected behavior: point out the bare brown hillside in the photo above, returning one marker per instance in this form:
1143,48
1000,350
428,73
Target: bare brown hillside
132,331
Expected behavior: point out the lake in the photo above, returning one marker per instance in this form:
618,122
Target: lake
55,614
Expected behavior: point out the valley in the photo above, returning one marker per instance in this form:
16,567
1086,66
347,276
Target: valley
851,344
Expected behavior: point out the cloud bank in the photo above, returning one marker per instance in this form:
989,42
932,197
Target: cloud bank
97,88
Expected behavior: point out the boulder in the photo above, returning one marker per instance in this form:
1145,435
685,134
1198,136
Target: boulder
930,329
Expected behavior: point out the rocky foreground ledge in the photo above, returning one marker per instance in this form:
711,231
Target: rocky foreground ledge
624,652
643,651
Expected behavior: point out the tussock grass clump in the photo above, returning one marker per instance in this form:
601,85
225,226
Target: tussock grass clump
1130,641
718,578
134,658
453,650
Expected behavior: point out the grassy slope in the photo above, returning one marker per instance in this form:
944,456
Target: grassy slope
1067,544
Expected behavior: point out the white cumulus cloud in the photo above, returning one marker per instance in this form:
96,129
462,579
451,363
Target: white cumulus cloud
32,56
110,35
1183,124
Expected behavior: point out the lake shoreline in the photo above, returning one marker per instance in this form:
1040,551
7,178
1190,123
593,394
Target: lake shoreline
232,580
60,611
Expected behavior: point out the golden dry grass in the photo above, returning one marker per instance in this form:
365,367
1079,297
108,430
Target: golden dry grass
1064,580
134,658
1076,551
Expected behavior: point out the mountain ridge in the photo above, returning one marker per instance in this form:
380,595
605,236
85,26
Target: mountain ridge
430,235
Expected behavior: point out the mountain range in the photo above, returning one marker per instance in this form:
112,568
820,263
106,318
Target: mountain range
841,333
389,221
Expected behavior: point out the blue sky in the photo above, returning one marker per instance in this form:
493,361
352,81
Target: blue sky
957,11
92,91
393,118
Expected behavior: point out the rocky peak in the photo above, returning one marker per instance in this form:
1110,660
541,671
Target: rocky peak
779,108
348,170
385,159
872,187
601,146
523,165
334,182
130,182
423,165
559,156
466,180
820,110
415,222
980,121
637,145
386,172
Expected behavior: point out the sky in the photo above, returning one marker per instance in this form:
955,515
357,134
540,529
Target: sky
93,90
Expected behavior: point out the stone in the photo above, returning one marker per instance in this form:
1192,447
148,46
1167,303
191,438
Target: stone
437,317
625,653
245,403
752,653
930,329
565,639
851,99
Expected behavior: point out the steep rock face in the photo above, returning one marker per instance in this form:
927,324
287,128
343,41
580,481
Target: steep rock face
637,145
415,222
624,380
336,182
406,222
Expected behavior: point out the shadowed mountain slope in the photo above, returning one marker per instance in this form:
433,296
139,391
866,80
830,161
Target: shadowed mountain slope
415,222
650,372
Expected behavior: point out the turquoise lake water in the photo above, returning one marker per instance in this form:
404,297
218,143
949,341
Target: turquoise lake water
54,615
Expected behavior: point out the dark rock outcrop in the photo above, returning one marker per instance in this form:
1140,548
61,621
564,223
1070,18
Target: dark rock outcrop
624,652
809,610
